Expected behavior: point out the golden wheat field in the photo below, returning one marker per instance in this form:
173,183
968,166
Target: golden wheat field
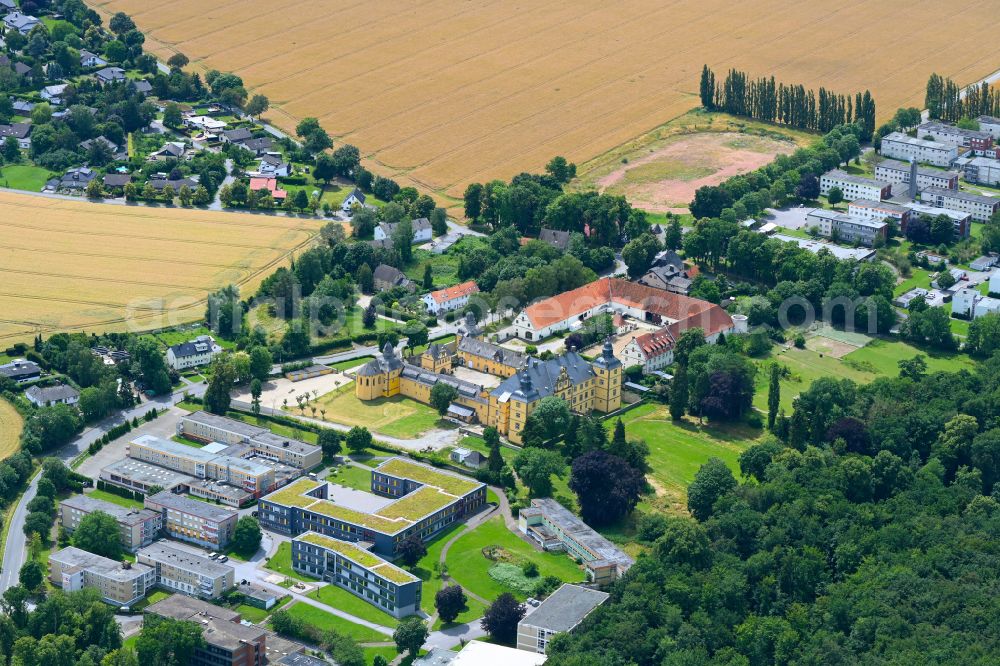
10,429
74,265
440,93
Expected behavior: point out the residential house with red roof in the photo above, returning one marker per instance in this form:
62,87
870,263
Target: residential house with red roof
450,298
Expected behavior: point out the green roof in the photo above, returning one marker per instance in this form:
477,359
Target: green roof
417,504
375,522
294,494
361,556
393,573
449,483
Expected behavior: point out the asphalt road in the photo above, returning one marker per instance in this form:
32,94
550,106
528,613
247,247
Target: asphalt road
15,553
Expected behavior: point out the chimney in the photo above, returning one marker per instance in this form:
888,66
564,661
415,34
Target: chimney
913,178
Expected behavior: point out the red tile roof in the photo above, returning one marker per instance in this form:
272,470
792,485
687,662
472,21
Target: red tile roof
269,184
458,291
667,305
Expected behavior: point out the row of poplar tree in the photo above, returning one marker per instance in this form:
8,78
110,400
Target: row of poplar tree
793,105
945,100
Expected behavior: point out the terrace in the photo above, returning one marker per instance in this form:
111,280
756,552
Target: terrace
449,483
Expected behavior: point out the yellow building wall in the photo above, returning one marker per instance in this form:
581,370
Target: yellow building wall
487,365
440,365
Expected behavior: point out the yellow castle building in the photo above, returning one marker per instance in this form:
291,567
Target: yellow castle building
586,386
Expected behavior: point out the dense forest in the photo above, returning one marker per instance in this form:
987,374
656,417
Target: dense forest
786,104
864,532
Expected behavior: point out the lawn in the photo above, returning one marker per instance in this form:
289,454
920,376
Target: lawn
353,363
469,567
883,356
805,366
115,499
328,621
281,562
426,568
24,177
397,416
351,476
677,450
342,600
919,277
186,333
387,653
10,429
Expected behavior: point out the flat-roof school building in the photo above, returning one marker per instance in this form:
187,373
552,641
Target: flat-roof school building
358,571
429,500
208,427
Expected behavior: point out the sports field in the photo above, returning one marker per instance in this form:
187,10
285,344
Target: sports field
74,265
10,429
439,93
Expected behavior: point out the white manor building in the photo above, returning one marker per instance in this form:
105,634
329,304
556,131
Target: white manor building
193,353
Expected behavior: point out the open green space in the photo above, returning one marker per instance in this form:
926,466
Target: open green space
919,277
325,621
387,653
176,337
883,356
678,449
469,567
115,499
427,569
24,177
281,562
397,416
353,363
341,599
804,366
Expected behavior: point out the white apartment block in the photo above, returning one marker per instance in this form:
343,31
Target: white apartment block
938,131
878,211
980,207
981,170
191,520
894,171
120,583
137,527
970,304
848,229
990,125
854,187
899,146
181,571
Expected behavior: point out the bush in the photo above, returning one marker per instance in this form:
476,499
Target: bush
800,341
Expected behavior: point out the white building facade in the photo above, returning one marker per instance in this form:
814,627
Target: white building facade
899,146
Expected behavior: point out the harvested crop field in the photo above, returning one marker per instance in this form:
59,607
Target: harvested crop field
10,429
439,93
74,265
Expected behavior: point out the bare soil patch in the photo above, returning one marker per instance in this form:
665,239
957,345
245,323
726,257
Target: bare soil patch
665,179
